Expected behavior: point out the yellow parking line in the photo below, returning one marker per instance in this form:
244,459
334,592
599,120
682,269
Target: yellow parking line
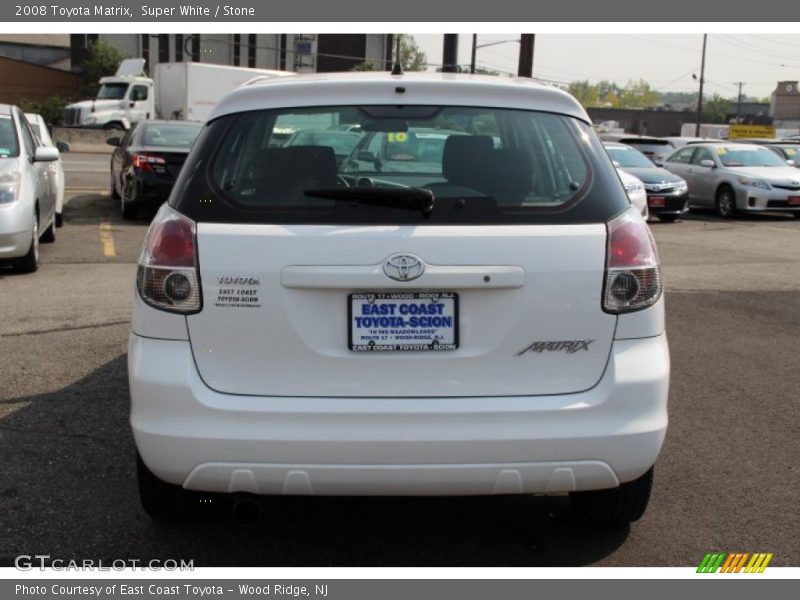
106,239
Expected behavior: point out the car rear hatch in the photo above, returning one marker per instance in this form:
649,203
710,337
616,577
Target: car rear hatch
275,315
504,276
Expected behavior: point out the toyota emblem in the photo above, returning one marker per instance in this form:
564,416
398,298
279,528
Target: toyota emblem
403,267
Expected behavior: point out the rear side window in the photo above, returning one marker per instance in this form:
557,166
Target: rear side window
481,165
175,136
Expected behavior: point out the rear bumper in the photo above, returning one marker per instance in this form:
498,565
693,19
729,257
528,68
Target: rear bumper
190,435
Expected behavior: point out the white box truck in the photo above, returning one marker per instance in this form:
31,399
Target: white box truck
184,90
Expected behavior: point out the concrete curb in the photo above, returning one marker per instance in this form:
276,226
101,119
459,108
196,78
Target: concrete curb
86,140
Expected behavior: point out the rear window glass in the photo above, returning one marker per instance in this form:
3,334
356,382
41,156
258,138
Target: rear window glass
8,137
628,157
175,136
398,165
519,159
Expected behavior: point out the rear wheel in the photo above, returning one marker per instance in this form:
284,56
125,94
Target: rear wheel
726,202
49,235
617,506
128,208
667,218
30,262
113,187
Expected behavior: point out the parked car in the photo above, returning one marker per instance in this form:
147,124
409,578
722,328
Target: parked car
146,161
655,149
680,141
667,194
488,323
735,177
27,200
635,190
42,134
788,150
417,152
342,142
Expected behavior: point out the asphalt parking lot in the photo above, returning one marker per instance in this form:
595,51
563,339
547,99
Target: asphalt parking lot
726,480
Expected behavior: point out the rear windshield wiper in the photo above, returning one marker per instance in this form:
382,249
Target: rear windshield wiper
411,197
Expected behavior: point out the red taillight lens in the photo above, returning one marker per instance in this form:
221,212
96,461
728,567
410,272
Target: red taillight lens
633,271
146,162
167,278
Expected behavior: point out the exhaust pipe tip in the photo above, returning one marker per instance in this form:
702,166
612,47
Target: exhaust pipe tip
246,512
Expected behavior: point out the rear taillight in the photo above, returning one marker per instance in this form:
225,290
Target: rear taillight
168,278
147,162
633,271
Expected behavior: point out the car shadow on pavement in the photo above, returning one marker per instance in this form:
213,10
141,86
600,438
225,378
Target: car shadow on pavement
88,208
68,490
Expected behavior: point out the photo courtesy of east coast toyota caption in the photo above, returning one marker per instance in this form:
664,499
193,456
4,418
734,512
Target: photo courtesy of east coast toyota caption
461,302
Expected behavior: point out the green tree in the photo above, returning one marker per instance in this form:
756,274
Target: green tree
584,92
411,57
51,108
103,60
364,66
638,94
716,109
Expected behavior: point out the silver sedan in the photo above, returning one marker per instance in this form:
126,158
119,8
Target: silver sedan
736,177
27,202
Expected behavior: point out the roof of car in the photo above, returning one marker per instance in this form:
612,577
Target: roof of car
359,88
5,109
630,138
617,145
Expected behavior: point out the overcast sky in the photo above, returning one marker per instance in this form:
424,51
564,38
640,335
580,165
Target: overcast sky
665,61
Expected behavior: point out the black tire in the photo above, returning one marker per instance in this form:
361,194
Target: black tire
618,506
128,208
164,501
667,218
59,219
30,262
726,202
49,235
113,186
115,126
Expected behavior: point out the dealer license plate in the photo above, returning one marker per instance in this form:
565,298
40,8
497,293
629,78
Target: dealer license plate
403,321
794,200
656,201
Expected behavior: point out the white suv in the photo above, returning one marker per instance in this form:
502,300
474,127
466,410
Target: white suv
479,315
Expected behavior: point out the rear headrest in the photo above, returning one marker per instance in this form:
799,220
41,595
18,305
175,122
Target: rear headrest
463,156
288,171
512,176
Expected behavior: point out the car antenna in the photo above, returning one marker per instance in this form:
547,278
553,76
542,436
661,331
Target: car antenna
397,67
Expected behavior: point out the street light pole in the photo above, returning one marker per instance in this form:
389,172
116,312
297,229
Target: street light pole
450,53
474,50
739,102
700,96
526,55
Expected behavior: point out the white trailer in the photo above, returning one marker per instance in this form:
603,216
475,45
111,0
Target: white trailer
189,90
185,90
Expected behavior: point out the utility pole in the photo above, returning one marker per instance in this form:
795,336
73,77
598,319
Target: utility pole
700,96
474,50
526,55
739,101
450,53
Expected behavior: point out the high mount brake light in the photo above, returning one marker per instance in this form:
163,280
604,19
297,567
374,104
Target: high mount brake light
168,277
633,271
